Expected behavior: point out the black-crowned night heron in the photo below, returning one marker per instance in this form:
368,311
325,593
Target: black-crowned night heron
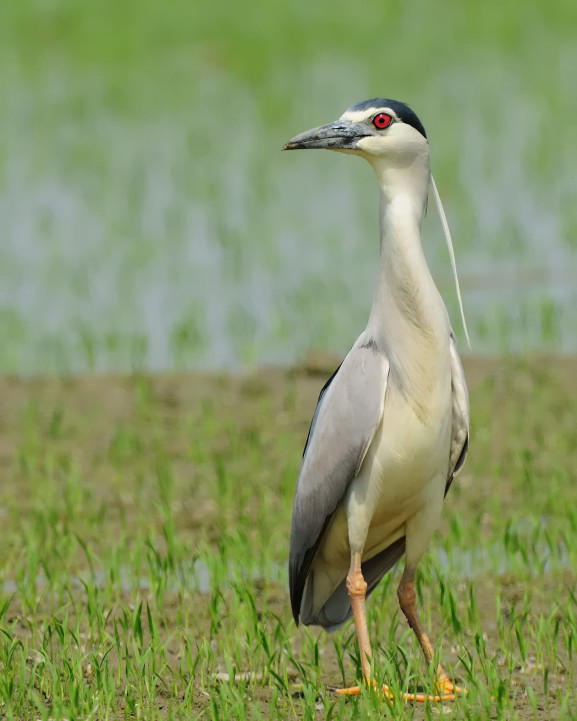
391,425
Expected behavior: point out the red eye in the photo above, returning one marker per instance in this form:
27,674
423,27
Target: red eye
382,121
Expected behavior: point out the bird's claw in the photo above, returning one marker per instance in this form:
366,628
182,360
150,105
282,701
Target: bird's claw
445,690
356,690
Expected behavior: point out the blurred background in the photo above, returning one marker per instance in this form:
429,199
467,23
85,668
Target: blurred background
149,221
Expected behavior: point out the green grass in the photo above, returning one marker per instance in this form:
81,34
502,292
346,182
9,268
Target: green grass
145,527
150,223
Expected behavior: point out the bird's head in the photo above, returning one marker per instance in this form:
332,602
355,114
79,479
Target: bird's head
378,129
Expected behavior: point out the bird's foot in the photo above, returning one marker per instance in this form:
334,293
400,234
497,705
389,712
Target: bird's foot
445,690
356,690
350,691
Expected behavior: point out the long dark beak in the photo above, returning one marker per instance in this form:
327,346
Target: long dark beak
340,135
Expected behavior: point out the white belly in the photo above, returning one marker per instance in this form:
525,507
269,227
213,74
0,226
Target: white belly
400,486
404,473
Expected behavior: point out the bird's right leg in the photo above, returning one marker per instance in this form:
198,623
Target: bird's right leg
419,530
446,689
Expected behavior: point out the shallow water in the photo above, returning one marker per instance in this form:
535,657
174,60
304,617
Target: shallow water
465,564
136,238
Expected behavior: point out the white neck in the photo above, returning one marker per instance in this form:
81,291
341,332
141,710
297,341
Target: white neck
408,318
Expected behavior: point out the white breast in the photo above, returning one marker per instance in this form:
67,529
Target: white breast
405,468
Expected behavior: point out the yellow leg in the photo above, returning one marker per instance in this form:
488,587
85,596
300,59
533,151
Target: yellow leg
357,590
445,689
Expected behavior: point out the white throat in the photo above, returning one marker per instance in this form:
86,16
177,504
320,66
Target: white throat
408,317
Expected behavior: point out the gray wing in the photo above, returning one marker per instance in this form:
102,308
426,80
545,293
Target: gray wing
316,413
348,413
460,422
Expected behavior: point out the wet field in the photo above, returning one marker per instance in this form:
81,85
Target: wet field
150,221
145,534
152,228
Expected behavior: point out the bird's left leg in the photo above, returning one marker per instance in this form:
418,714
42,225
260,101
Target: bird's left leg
357,590
358,522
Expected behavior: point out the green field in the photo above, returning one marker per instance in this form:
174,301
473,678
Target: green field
164,270
149,220
145,534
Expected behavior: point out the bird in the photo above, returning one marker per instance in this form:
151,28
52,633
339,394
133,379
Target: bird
391,425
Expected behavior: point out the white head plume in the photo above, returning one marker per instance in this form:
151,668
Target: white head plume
447,232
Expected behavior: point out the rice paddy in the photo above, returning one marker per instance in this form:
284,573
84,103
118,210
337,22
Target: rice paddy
145,529
150,222
164,269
